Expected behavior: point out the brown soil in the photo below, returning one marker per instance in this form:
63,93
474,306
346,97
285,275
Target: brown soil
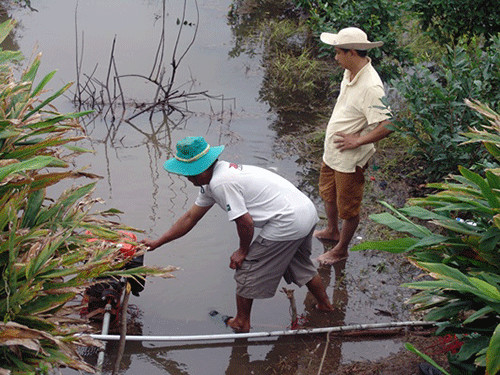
402,363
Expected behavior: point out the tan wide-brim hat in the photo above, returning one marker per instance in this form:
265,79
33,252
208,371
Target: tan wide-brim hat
350,38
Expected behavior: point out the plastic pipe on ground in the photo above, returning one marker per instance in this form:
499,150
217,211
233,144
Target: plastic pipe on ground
105,329
229,336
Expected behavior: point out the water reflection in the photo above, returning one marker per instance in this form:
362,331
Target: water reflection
284,355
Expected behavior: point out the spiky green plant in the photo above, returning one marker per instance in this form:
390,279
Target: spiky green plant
461,254
46,259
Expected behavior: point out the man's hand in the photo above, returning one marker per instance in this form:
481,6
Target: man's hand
347,141
237,259
350,141
150,244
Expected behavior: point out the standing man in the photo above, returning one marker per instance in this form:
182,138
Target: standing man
358,120
252,197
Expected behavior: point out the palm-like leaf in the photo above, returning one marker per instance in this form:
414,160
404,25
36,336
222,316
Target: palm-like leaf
461,253
46,259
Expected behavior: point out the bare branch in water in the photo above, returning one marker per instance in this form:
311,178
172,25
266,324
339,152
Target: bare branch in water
105,96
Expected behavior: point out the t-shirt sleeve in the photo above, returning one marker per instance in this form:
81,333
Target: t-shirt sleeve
230,198
204,200
375,111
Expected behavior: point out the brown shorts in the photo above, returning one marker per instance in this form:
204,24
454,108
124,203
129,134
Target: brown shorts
268,261
346,189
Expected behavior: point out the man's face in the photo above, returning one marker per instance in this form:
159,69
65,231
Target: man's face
342,57
200,179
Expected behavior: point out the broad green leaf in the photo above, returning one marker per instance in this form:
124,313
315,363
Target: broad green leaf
10,56
458,227
35,201
429,241
30,74
38,162
493,150
79,149
478,314
399,225
421,213
496,220
471,347
72,196
412,349
446,272
5,28
35,322
449,311
397,245
46,303
42,83
486,288
484,186
492,354
47,101
494,181
22,153
480,359
490,240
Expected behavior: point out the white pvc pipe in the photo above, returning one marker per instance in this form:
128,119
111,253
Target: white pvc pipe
105,329
229,336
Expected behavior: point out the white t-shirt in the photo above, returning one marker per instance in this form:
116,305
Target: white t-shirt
275,204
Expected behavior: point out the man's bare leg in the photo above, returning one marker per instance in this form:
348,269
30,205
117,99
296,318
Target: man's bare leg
340,250
241,322
317,289
331,232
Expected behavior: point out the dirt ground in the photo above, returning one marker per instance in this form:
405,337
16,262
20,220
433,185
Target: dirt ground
388,180
401,363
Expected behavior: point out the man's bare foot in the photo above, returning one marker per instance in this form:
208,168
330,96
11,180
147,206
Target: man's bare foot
326,235
331,257
322,307
238,327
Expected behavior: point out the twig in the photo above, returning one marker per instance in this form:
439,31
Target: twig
123,330
293,307
324,353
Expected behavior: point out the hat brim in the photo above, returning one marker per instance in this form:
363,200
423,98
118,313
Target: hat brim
332,39
196,167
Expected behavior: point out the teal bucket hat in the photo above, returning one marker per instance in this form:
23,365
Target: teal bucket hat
194,156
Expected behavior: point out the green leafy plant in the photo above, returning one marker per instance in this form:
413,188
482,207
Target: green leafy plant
447,21
46,260
379,19
454,236
430,109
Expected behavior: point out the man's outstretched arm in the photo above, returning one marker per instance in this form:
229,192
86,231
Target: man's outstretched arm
182,226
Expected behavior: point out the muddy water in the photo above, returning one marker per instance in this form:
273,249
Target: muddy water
129,156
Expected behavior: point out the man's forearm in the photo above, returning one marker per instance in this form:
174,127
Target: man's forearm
380,132
245,229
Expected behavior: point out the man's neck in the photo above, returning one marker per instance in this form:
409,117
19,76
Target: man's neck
357,64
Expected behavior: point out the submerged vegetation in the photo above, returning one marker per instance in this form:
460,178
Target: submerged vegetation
46,258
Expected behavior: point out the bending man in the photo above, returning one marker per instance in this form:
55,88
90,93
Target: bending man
253,198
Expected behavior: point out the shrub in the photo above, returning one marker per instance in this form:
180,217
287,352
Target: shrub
448,21
462,255
431,111
46,259
379,19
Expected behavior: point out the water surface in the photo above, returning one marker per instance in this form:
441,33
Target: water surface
129,156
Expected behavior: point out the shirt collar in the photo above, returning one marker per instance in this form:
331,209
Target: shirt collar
360,73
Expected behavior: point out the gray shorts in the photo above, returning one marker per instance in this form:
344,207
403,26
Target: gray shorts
268,261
